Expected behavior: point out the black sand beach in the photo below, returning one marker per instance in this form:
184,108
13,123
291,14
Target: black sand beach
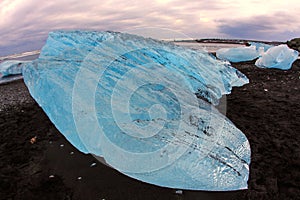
267,110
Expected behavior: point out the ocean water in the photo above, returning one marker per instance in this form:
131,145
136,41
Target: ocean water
210,47
30,55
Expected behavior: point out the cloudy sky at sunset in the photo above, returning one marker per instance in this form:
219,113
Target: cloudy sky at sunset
24,24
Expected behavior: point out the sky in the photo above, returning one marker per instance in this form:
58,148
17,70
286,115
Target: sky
25,24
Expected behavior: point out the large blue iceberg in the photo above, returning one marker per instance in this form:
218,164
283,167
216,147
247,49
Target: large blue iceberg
280,57
132,101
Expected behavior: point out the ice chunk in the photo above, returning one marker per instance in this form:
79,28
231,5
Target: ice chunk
11,70
241,54
11,67
259,45
238,54
132,101
280,57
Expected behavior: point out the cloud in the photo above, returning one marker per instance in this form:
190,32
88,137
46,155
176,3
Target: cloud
30,21
275,26
25,24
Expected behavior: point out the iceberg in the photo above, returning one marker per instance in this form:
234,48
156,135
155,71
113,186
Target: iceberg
242,54
131,100
238,54
280,57
11,67
261,46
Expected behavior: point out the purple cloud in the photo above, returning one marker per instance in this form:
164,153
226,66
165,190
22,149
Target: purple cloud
277,26
24,25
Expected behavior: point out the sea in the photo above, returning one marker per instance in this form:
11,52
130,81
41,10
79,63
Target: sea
209,47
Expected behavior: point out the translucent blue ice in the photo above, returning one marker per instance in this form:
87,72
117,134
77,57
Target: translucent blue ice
132,101
11,67
280,57
238,54
242,54
259,45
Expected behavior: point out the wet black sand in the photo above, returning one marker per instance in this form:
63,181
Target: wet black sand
267,110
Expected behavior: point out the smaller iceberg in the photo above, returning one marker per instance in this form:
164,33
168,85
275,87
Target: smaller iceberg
238,54
280,57
242,54
261,46
11,67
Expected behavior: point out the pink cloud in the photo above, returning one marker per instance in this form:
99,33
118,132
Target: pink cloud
31,20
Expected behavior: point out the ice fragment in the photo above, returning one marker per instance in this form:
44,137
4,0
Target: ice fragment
280,57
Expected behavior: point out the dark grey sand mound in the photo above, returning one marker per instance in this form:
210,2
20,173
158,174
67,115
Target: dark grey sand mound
294,44
267,110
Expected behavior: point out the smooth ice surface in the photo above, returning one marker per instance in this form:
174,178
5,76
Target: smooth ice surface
280,57
238,54
132,101
11,67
